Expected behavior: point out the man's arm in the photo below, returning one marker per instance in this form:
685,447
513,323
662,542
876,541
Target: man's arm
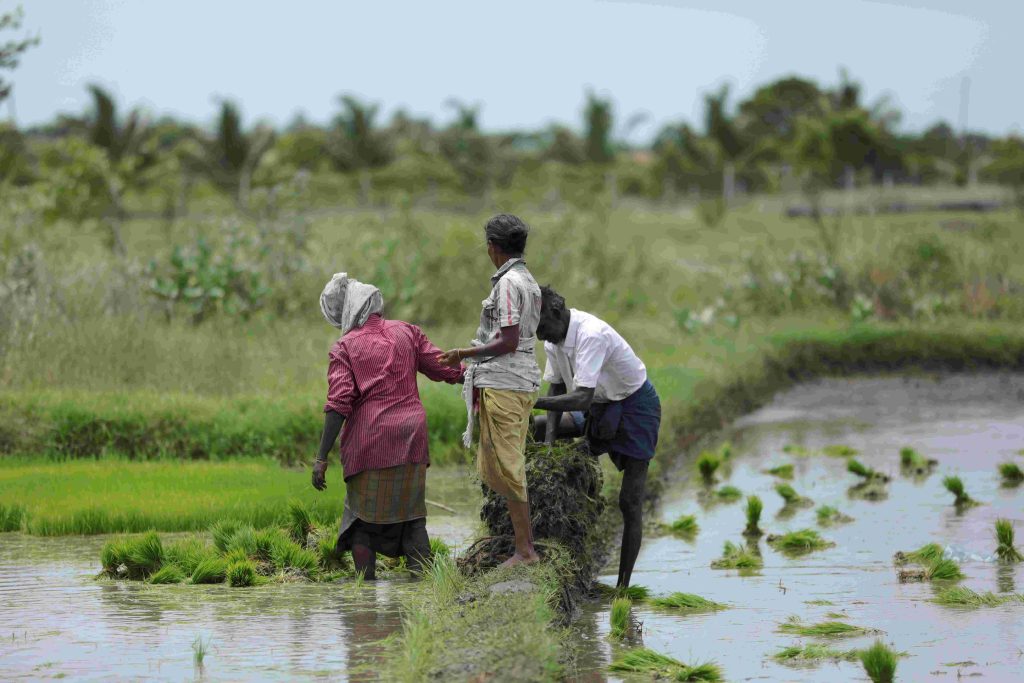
507,341
554,416
579,399
332,427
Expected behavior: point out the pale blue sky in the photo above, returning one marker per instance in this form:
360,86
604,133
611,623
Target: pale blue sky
527,63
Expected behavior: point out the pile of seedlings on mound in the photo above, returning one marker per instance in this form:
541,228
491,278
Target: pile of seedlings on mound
933,566
566,506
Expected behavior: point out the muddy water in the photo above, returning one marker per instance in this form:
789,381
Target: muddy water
56,621
969,424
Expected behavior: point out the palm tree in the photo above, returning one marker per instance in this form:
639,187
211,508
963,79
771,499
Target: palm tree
732,143
356,145
597,117
471,154
231,158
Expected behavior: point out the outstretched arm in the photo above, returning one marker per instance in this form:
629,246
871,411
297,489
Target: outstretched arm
428,361
332,427
507,341
579,399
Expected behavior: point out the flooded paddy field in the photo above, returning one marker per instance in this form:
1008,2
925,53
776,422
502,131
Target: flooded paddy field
58,621
969,424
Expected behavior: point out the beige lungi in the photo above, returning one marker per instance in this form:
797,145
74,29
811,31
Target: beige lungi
504,424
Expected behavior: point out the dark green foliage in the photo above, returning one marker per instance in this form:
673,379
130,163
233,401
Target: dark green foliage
241,574
11,517
754,508
169,573
210,570
736,557
688,602
1004,537
956,486
879,662
1011,473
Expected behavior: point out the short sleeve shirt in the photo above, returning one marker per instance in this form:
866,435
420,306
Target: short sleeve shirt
514,300
594,355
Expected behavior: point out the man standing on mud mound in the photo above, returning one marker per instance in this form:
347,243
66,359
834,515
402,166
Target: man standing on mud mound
591,369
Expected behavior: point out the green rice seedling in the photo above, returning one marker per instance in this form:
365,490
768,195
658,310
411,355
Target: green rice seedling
439,547
199,650
908,457
828,515
241,574
222,533
1004,537
1011,473
799,542
168,573
736,557
754,508
960,596
782,471
855,466
926,554
300,524
114,554
795,449
210,570
11,517
824,629
728,494
685,526
813,653
913,463
725,450
791,497
879,662
187,553
620,617
688,602
708,672
956,486
286,554
443,577
145,555
707,464
839,451
326,549
643,660
636,593
823,603
943,569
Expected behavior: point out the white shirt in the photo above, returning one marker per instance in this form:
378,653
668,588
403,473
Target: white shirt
594,355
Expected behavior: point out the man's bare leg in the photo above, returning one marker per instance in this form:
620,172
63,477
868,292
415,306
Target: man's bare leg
631,504
525,553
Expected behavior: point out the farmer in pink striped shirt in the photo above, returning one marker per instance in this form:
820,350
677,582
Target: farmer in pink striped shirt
371,389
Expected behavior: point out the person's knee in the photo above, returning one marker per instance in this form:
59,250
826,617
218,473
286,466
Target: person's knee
630,505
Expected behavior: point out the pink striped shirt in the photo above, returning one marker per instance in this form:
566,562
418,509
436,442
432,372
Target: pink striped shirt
371,380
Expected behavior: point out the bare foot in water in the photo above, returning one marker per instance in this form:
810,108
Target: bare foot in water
520,559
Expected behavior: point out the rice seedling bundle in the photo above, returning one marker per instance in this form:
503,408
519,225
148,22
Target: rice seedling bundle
737,557
222,533
839,451
782,471
1004,537
926,554
824,629
241,574
790,496
879,662
960,596
643,660
688,602
145,555
828,515
187,553
620,617
286,554
169,573
795,449
943,569
1011,473
300,524
956,486
754,508
707,464
685,526
210,570
812,653
729,494
799,542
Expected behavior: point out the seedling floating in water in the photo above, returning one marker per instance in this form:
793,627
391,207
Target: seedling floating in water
728,494
621,617
943,569
855,466
688,602
1011,473
1004,536
792,498
828,515
199,650
799,542
839,451
685,526
643,660
795,449
813,653
754,507
956,486
926,554
824,629
959,596
707,464
879,662
782,471
912,462
737,557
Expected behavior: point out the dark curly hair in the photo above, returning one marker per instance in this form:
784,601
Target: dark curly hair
508,233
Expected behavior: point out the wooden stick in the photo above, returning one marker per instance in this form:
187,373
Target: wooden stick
443,507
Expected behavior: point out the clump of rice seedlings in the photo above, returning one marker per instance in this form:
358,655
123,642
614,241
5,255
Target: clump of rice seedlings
956,486
795,449
636,593
1011,473
943,569
222,533
855,466
621,615
824,629
960,596
737,557
326,549
824,603
915,575
926,554
114,554
799,542
685,526
438,548
688,602
782,471
839,451
643,660
11,517
813,653
300,524
242,574
210,570
754,508
912,462
442,576
288,555
791,497
728,494
828,515
199,650
725,450
169,573
869,489
879,662
187,553
145,555
707,464
1004,537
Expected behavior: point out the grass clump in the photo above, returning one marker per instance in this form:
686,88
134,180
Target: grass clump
824,629
943,569
799,542
955,485
791,497
222,533
737,557
187,553
828,515
438,548
620,617
960,596
796,449
210,570
782,471
636,593
688,602
11,517
1011,473
241,574
728,494
288,555
145,555
912,462
707,464
879,662
114,554
854,466
169,573
813,653
685,526
199,650
839,451
644,660
926,554
1004,537
754,508
300,524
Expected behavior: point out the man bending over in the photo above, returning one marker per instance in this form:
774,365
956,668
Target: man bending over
593,370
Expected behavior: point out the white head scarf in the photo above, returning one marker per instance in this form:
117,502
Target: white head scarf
348,303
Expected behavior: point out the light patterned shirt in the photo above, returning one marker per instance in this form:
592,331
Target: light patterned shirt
514,300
